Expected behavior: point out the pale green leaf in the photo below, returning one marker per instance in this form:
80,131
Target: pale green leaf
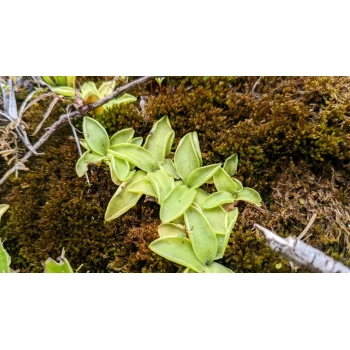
162,184
221,245
186,159
160,139
195,141
63,266
218,198
121,168
106,88
224,182
89,89
169,143
188,270
48,81
231,163
159,80
123,200
177,202
201,235
169,168
87,158
216,218
200,176
171,230
201,196
113,174
143,186
3,208
136,155
217,268
5,260
71,81
64,91
137,141
249,195
230,221
122,136
61,80
126,98
178,250
96,136
84,145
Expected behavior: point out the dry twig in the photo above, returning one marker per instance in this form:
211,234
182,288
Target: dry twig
301,254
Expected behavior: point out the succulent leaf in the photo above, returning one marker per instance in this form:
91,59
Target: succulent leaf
231,163
217,268
162,184
137,141
201,235
71,81
48,81
176,203
230,221
123,200
178,250
106,88
186,158
143,186
136,155
63,266
64,91
169,168
5,260
171,230
88,90
160,139
87,158
218,198
3,208
224,182
122,136
249,195
216,218
61,80
121,168
200,176
96,136
126,98
195,141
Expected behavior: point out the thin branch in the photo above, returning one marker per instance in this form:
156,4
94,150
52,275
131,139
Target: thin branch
63,119
301,253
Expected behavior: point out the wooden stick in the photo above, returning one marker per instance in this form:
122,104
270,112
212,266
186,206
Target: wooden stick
301,253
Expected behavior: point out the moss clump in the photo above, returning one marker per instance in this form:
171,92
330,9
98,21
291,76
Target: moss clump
292,138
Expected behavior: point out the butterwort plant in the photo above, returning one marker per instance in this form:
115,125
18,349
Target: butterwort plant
196,225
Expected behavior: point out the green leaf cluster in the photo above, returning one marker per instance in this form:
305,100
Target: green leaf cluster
90,94
195,226
62,85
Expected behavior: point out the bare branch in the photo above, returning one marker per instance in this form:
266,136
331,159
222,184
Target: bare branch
63,119
301,253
